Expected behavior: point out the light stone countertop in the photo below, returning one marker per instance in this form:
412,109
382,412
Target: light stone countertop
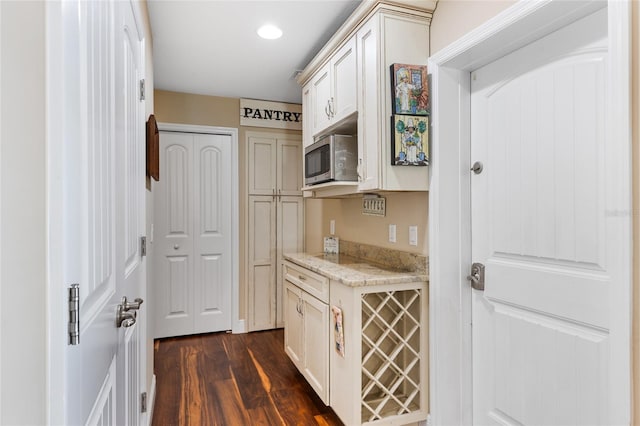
352,271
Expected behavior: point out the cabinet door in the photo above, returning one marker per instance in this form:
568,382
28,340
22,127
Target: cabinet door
262,161
290,239
307,116
370,109
321,96
293,323
289,167
316,328
343,74
261,259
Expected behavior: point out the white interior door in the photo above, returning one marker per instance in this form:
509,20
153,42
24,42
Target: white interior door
102,164
194,254
541,335
130,208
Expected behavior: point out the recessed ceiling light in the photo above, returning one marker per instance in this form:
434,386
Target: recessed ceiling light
270,32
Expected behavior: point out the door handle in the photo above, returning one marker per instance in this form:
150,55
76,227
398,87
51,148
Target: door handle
131,305
125,318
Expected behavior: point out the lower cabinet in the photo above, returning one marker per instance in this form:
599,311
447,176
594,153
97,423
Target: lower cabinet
382,379
381,376
306,337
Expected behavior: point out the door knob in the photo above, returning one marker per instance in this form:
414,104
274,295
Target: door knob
176,246
125,318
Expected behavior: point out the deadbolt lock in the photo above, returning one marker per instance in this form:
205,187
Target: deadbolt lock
477,276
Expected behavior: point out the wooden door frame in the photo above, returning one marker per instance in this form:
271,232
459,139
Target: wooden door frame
449,196
237,325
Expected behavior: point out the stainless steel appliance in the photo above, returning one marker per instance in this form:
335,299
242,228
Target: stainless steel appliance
331,158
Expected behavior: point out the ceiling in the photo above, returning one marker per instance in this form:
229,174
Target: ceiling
210,47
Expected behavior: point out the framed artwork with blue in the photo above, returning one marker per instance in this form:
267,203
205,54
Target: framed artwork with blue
410,89
410,140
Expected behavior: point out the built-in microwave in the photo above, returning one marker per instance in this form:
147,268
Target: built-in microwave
331,158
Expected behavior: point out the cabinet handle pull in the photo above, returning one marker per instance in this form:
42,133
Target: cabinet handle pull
327,110
331,110
302,277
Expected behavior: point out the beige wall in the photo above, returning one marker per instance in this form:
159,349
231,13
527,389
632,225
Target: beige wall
23,214
403,210
453,18
186,108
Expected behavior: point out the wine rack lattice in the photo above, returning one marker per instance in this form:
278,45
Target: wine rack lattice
390,354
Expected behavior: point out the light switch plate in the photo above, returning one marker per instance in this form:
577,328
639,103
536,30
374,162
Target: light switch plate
413,235
392,233
332,227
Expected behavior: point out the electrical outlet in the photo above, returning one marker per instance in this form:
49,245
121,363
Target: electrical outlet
413,235
392,233
332,227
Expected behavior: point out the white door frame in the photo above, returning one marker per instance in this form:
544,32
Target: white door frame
237,325
449,196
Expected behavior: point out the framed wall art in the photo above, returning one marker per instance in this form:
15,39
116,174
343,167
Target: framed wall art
410,89
410,140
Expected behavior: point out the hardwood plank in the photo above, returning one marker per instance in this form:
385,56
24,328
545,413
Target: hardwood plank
228,408
225,379
245,374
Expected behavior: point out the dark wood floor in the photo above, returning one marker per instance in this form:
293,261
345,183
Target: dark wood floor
232,379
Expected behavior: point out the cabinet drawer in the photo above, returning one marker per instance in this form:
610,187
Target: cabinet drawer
309,281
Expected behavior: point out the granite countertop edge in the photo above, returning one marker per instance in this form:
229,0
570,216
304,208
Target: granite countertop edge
351,271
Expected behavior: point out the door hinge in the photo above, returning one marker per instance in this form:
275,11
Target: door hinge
143,246
142,97
143,402
74,314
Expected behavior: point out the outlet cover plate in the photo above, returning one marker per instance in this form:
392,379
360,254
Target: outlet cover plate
374,206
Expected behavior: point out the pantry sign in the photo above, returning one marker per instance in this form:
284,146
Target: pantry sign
276,115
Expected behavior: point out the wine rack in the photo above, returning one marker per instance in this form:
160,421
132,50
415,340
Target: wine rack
391,370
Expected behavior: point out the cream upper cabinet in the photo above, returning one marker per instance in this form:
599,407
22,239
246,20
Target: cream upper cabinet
351,78
333,89
386,38
307,116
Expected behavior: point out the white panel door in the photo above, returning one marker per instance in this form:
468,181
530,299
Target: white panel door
194,246
539,225
102,179
130,205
